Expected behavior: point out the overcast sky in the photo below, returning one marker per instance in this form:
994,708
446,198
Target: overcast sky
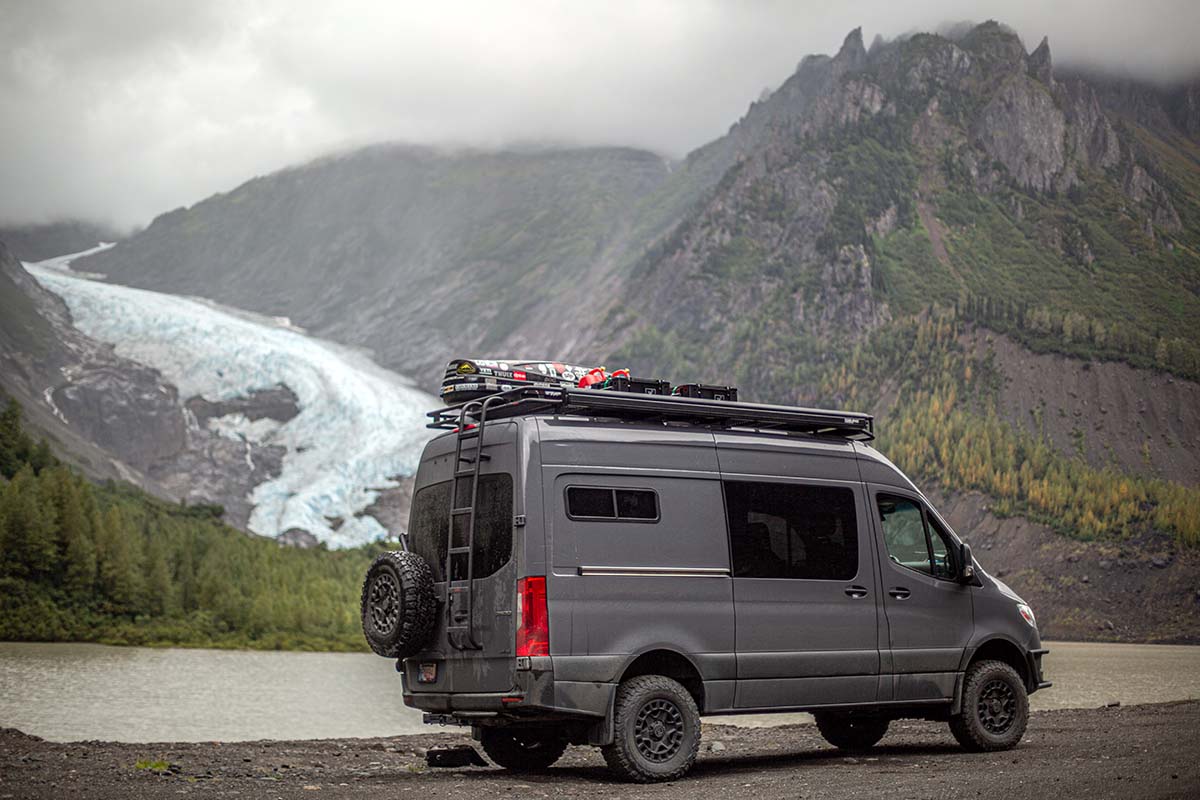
119,110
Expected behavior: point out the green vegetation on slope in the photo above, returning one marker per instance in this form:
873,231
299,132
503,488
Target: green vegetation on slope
945,429
110,564
1079,258
1091,279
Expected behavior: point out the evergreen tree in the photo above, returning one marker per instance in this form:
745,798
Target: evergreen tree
118,573
28,537
14,444
77,552
40,457
160,590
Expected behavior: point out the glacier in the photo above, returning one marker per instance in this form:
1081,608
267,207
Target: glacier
359,426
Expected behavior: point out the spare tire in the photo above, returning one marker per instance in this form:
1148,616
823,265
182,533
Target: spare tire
398,604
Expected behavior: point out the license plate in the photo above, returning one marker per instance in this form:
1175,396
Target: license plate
428,673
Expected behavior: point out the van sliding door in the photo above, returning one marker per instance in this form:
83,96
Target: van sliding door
805,595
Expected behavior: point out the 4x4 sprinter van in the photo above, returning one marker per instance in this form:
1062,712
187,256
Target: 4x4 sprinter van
586,567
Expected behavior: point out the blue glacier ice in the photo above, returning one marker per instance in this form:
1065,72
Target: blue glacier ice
359,425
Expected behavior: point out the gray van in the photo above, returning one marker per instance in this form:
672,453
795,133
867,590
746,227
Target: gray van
602,568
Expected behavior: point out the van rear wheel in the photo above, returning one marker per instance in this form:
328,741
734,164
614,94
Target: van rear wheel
517,750
995,708
853,734
656,729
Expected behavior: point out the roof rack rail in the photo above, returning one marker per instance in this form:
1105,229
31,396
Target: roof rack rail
658,408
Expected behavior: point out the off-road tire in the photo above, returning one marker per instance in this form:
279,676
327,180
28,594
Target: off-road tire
854,734
398,606
520,750
995,708
642,750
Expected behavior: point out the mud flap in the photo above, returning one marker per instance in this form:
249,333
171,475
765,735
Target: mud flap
602,732
956,703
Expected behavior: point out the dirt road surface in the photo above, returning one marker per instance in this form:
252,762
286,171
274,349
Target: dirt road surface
1148,751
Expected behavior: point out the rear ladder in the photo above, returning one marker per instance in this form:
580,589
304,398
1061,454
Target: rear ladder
460,617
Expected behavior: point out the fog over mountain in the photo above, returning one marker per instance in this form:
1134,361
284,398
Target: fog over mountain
122,110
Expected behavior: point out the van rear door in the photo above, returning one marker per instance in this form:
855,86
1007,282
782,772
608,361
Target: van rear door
445,666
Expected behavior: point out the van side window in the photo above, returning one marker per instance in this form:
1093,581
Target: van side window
780,530
588,502
429,525
636,504
910,543
596,503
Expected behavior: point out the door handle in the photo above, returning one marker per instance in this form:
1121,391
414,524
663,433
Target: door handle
899,592
856,591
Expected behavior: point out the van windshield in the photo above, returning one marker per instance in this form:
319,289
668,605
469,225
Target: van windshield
429,525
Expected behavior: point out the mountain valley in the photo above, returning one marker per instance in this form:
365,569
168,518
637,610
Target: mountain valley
997,256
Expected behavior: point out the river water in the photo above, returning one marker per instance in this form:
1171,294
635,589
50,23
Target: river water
69,692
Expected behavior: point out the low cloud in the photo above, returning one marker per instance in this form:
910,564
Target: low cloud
121,110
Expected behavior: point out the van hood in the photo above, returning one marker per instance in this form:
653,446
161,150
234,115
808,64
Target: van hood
1004,588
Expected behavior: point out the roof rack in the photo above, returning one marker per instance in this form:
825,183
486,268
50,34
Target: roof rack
663,409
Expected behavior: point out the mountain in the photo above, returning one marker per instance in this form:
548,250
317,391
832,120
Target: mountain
1003,263
392,246
1061,212
936,171
1000,258
47,240
959,171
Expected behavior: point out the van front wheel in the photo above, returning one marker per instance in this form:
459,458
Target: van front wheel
518,750
656,728
850,733
995,708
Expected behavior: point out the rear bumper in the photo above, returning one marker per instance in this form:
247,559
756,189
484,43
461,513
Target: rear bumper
535,693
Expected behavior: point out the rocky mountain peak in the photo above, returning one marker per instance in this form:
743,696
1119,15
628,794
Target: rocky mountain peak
1040,64
997,46
852,55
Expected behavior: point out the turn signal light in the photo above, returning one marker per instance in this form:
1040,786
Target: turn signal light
1027,614
533,617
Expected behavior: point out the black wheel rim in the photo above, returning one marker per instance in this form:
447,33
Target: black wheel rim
658,731
384,603
997,707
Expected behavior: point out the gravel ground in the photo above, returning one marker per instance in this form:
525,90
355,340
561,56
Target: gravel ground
1136,751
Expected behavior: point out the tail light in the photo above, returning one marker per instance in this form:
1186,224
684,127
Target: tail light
533,618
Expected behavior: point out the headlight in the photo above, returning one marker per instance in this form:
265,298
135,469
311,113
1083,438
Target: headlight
1027,614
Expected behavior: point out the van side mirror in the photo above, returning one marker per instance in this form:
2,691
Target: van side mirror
967,573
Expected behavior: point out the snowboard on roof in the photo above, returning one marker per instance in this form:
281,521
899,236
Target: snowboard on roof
472,378
468,379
